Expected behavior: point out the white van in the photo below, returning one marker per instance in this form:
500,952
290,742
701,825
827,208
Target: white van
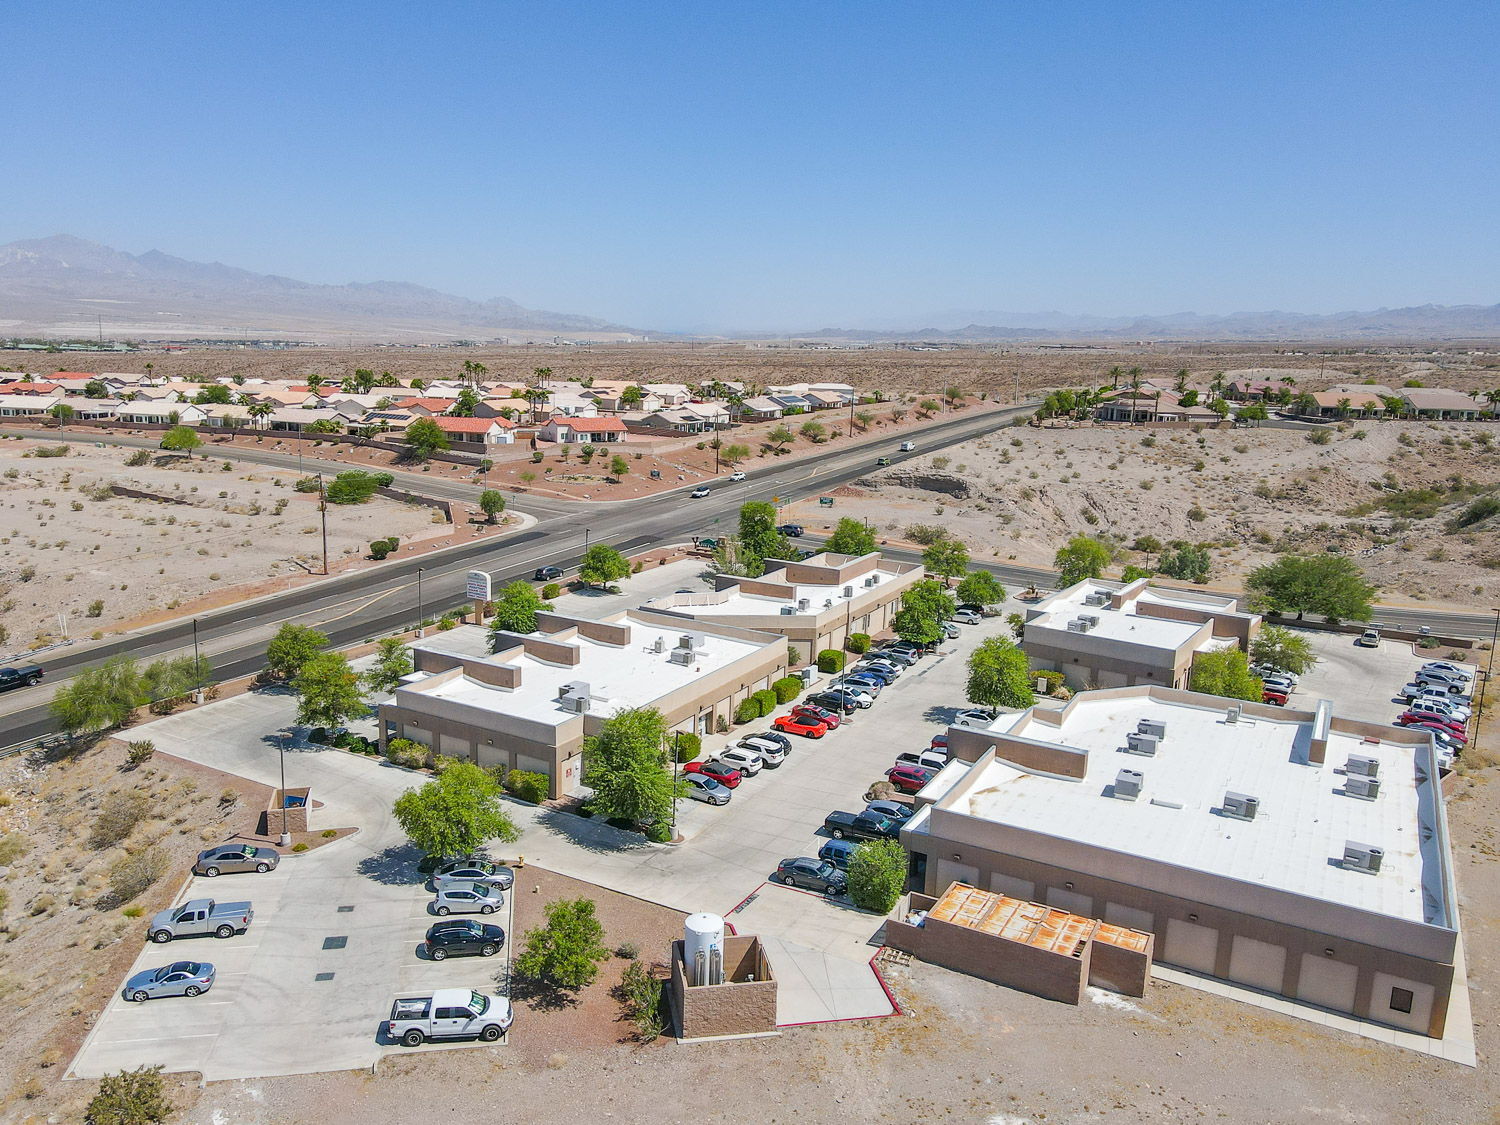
908,446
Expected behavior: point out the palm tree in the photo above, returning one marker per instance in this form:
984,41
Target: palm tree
1343,407
1182,378
474,371
1114,377
259,410
1217,385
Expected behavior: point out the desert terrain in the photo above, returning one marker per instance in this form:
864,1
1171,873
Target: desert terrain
73,546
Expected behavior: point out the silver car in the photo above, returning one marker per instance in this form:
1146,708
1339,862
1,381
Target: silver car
230,858
464,872
475,898
180,978
701,788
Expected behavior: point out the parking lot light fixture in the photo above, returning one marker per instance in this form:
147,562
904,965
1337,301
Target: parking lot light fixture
1487,674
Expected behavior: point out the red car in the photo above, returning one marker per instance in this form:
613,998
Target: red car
726,776
1272,695
810,712
909,779
939,742
807,728
1446,731
1427,718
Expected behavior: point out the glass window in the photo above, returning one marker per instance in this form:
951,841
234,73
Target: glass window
1401,1000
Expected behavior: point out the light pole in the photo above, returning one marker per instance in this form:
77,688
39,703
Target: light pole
421,613
1488,673
197,673
286,837
676,778
323,508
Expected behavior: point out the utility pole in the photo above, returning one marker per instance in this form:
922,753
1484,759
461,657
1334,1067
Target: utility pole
1484,693
323,508
421,615
197,678
286,837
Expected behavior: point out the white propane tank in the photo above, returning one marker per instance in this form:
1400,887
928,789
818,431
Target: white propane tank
702,933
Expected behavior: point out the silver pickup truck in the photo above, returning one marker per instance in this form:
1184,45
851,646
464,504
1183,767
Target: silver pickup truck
201,916
449,1013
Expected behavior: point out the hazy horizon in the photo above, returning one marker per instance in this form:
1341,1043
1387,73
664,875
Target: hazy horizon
783,168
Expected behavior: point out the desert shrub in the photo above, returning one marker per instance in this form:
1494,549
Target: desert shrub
138,458
787,688
1477,512
121,812
302,847
13,846
307,484
765,700
405,752
1146,543
551,591
640,993
830,660
355,486
925,533
1196,514
132,1097
138,753
526,786
329,833
380,548
629,950
131,875
1320,437
858,643
51,451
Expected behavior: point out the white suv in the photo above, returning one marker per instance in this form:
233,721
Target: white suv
748,762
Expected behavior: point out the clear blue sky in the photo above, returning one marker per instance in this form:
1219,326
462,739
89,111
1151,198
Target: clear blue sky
778,165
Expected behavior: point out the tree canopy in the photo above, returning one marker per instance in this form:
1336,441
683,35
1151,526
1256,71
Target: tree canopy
516,610
292,647
456,812
877,875
392,662
759,539
947,557
1226,672
1083,557
980,587
1187,564
1281,648
850,537
1330,585
98,698
998,675
565,952
924,608
424,437
491,503
181,439
625,766
328,693
602,564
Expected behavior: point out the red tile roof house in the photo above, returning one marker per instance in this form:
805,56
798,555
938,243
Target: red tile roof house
577,431
476,432
32,388
428,406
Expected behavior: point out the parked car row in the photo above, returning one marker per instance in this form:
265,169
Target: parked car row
1437,701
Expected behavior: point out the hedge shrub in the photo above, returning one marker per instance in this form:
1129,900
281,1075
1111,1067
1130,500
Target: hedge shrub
830,660
1054,680
787,688
551,592
747,711
765,700
405,752
526,786
689,745
858,643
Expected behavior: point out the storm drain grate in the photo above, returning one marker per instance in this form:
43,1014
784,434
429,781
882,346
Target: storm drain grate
335,942
323,976
346,909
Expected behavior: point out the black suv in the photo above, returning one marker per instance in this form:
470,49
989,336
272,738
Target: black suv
23,675
547,573
791,530
463,936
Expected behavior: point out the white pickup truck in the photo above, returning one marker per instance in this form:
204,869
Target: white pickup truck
201,916
449,1013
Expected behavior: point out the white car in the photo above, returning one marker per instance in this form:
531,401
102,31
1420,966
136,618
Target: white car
736,476
974,718
1448,681
926,759
699,493
748,762
1447,666
967,617
476,898
771,754
894,667
1442,703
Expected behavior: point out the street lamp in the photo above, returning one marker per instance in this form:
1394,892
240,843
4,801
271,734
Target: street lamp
323,508
285,838
1488,673
197,672
421,612
676,777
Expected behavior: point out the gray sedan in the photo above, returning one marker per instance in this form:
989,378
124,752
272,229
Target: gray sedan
181,978
463,872
475,898
228,858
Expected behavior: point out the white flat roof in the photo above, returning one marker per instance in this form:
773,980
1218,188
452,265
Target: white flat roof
739,603
1126,624
1301,828
618,675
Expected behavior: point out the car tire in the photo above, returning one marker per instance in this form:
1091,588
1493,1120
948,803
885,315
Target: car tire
490,1034
486,909
262,868
438,954
224,932
836,833
192,990
140,996
787,879
831,892
441,911
211,872
413,1038
32,681
489,949
161,937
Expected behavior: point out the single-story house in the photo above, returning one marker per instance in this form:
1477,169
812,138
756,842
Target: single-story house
1440,403
390,419
669,394
761,408
26,406
295,421
1247,390
579,431
790,404
162,413
1334,404
477,431
569,405
493,406
32,388
616,404
682,421
425,406
828,400
95,409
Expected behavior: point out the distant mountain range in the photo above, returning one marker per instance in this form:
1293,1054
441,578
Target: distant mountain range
66,286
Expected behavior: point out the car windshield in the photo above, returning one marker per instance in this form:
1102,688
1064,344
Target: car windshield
478,1004
825,870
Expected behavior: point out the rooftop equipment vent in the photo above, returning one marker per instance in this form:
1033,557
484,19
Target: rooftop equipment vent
803,604
659,645
685,641
1078,625
1156,728
1090,619
1240,806
1362,857
1232,715
1143,744
848,591
874,580
683,656
1098,597
1128,784
870,581
1362,765
1365,788
788,611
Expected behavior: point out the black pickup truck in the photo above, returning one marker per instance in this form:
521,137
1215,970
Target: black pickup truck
861,826
23,675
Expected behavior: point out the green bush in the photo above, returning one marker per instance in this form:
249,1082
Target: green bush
660,833
527,786
765,700
132,1097
380,548
689,745
138,458
858,643
747,711
877,875
787,688
405,752
830,660
1054,680
551,591
307,484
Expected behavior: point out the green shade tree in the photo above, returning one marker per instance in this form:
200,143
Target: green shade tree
491,503
1281,648
392,662
1187,564
62,412
564,953
95,388
464,403
1227,673
759,540
618,466
998,675
98,698
515,611
456,812
291,647
877,875
214,394
174,678
181,439
924,608
948,558
1324,584
980,587
423,438
328,691
734,454
780,436
850,537
602,564
625,765
1083,557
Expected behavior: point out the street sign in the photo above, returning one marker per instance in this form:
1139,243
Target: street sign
478,586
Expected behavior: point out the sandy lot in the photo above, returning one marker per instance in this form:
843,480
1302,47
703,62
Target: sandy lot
71,546
1020,493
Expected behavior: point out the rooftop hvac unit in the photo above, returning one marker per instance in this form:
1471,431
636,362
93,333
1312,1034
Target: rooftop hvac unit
1232,715
789,611
1128,784
803,604
1097,597
1090,619
659,645
1156,728
848,591
1365,788
869,582
1077,626
1240,806
683,656
1362,857
1143,744
685,641
874,580
1362,765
